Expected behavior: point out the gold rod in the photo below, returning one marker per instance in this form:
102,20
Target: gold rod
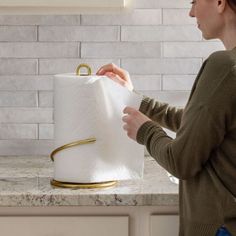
73,144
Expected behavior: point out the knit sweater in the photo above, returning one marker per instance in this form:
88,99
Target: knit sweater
203,154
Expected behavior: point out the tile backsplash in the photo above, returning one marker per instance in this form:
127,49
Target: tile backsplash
158,43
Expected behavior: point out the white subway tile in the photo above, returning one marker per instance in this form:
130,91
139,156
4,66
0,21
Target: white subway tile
146,82
26,115
26,147
79,33
56,66
160,33
46,131
161,66
176,98
160,46
190,49
39,20
38,50
137,17
18,131
178,17
18,66
18,99
162,4
120,50
18,33
45,99
178,82
26,82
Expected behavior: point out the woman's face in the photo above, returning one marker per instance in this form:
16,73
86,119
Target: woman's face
207,16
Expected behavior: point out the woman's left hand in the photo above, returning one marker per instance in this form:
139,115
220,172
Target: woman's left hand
133,121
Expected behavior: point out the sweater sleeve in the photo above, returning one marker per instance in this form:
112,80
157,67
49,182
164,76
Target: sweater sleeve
203,123
166,115
185,155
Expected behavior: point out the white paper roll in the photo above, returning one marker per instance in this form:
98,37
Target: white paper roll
91,106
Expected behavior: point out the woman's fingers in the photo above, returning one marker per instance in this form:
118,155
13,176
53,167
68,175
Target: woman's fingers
133,120
111,68
125,127
125,118
115,78
129,110
117,74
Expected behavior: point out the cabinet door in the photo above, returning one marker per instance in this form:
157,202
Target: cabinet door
62,3
164,225
65,226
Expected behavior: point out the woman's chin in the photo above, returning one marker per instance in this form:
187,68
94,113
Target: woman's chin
207,36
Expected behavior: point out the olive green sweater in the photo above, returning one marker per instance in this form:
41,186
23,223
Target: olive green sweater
203,154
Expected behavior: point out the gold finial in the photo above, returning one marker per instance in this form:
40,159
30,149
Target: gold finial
89,71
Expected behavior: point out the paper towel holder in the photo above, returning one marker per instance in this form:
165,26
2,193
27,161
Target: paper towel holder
76,143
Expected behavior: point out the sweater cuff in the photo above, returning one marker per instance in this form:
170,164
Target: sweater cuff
144,104
143,130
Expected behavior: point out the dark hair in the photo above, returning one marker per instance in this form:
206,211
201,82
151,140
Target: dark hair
232,4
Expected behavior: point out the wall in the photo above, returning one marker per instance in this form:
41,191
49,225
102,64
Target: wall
159,44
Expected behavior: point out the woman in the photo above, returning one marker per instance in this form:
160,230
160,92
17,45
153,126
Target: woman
203,154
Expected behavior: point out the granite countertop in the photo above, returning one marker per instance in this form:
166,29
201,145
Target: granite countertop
25,181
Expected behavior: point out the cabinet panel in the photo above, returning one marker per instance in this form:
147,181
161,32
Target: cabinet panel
164,225
69,226
62,3
45,7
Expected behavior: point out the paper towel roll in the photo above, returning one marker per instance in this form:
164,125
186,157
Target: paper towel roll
91,106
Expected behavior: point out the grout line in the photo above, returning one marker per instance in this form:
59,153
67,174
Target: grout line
38,131
37,32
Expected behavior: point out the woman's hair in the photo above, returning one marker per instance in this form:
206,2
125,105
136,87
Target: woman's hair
232,4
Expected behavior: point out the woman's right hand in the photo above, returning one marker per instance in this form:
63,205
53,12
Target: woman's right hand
117,74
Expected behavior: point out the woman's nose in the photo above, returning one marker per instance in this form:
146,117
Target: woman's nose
191,12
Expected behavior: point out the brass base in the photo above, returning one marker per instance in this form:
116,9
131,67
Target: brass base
83,185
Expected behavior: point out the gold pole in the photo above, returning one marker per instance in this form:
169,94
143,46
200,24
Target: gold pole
73,144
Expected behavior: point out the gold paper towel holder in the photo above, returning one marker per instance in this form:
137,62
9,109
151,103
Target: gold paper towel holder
77,143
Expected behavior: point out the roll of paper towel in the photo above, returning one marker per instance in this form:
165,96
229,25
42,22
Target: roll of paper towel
91,106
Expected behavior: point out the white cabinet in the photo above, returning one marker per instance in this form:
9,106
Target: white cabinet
89,221
63,6
164,225
64,226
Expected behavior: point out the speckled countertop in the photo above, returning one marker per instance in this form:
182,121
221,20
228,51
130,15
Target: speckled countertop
25,181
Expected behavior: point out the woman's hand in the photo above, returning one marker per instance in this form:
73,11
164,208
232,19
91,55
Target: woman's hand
117,74
133,119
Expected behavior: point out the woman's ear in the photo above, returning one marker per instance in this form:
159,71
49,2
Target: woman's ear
221,5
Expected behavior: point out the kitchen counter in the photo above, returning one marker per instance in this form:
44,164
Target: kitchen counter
25,181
